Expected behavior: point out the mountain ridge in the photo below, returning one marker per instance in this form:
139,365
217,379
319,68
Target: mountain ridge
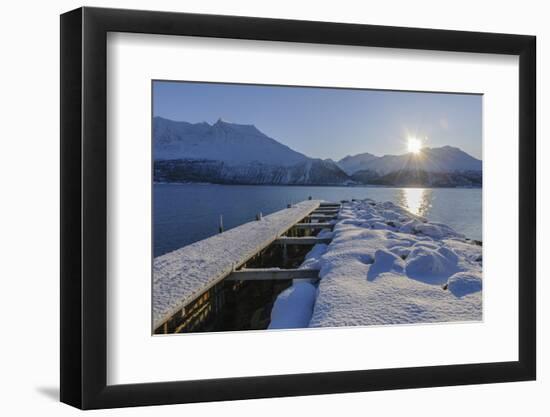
232,153
353,163
442,159
229,142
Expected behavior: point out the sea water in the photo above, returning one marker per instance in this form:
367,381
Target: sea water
186,213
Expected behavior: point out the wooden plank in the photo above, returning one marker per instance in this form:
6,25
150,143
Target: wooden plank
310,240
324,205
309,226
322,216
261,274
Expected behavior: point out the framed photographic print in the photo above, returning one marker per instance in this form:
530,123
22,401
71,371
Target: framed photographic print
257,207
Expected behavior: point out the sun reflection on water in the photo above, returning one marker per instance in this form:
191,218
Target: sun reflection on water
416,200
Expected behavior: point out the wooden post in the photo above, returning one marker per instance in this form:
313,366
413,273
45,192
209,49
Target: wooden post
221,224
285,254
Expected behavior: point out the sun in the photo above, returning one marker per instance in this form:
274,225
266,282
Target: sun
414,145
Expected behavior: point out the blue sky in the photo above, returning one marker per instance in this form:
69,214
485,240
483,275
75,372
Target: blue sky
327,122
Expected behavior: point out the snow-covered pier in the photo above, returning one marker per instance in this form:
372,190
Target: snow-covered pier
183,280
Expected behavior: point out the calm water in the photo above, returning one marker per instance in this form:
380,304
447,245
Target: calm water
186,213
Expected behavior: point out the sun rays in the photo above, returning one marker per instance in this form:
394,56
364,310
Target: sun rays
414,145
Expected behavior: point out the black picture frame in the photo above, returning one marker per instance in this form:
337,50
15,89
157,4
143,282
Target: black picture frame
84,207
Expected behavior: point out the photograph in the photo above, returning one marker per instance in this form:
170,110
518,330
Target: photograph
291,207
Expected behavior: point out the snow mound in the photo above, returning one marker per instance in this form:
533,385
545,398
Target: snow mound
464,283
381,226
293,307
401,251
313,261
384,261
430,265
436,230
313,257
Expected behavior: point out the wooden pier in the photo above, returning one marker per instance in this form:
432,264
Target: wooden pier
186,282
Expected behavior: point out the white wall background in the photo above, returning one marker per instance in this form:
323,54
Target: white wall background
29,226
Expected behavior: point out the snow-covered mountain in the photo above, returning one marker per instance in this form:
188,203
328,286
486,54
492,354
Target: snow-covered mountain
230,153
353,163
435,167
444,159
232,143
234,154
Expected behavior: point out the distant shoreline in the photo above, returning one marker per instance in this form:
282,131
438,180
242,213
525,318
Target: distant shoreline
319,185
